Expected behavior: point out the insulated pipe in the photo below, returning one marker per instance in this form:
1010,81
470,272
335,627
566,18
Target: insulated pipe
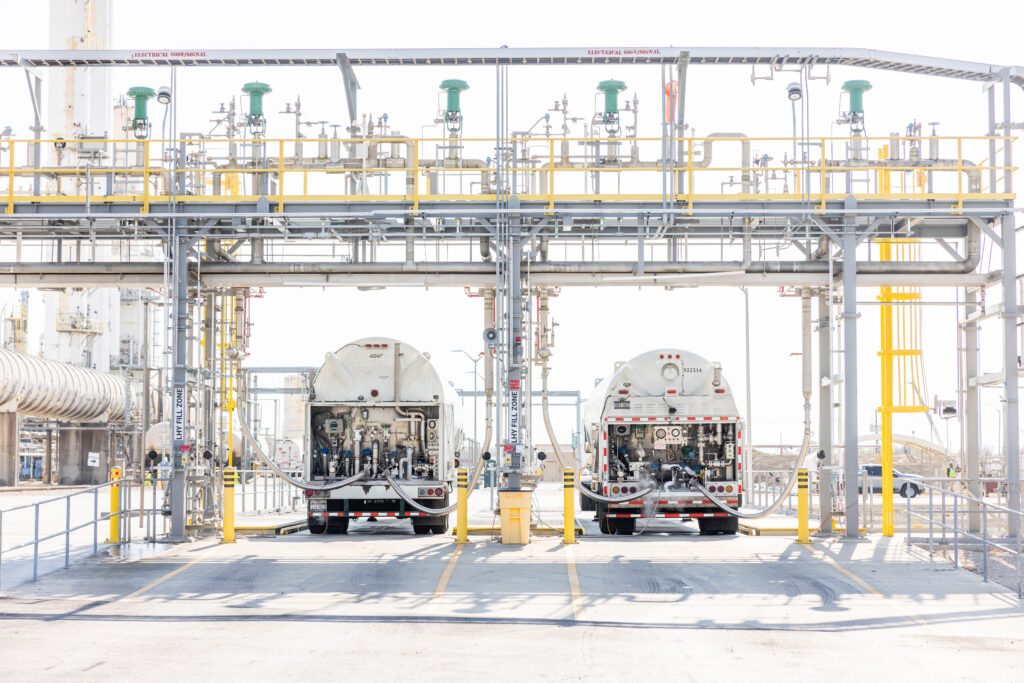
694,481
281,473
44,388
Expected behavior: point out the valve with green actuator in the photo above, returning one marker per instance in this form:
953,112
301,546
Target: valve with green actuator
610,116
453,113
140,95
256,121
856,90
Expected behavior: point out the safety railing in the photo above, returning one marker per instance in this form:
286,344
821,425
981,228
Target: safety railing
87,505
965,522
415,170
768,485
262,492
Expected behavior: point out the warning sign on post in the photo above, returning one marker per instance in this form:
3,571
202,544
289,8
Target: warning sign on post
513,411
178,427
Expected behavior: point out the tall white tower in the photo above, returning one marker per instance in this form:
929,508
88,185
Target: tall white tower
79,101
81,326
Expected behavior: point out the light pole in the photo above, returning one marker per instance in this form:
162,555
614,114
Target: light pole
747,460
475,359
795,93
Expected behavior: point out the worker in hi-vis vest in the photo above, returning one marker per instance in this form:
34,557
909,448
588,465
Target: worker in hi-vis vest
950,470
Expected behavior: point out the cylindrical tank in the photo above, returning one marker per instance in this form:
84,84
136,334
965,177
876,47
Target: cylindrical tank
646,381
364,371
44,388
378,406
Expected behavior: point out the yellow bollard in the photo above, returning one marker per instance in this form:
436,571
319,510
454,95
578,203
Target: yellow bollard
803,502
568,502
462,510
229,505
115,506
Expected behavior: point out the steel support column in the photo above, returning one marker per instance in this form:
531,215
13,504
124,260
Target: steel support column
825,411
851,466
970,406
179,384
1011,439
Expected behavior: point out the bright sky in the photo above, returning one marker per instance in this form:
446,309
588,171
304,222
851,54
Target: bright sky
597,326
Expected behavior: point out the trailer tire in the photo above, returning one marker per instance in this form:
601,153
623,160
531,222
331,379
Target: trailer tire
727,526
316,528
337,525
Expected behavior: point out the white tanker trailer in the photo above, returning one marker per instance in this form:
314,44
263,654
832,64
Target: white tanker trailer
377,405
660,419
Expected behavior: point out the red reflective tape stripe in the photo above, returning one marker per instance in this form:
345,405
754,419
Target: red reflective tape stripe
708,418
691,418
620,419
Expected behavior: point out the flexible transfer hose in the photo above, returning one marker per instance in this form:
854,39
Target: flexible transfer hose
694,481
558,453
422,508
281,473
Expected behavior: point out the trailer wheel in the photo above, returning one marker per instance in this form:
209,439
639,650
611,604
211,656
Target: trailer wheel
337,525
316,528
587,504
623,527
727,526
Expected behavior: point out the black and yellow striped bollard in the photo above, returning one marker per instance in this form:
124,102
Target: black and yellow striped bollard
569,503
803,502
462,505
230,477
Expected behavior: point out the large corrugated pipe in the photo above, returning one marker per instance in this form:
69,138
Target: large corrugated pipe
44,388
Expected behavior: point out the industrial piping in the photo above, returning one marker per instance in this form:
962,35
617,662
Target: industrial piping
44,388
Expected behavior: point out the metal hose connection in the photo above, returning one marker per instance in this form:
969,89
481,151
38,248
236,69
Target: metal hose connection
287,478
396,485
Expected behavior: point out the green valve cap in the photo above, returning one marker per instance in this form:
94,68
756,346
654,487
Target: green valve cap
611,90
856,90
141,94
256,91
454,87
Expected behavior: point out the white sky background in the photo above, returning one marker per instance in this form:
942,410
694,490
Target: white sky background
597,326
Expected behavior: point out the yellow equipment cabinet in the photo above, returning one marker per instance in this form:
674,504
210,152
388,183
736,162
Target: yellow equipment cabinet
515,516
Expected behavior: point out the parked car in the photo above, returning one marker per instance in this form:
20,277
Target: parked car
907,485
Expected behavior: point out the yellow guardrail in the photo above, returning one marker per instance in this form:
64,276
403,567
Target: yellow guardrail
548,169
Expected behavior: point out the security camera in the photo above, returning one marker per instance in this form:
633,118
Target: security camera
794,91
486,455
491,337
542,456
163,95
821,455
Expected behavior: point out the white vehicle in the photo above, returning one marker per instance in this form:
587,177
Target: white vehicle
661,418
378,405
288,455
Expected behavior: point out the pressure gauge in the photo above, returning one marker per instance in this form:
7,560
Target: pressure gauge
659,433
